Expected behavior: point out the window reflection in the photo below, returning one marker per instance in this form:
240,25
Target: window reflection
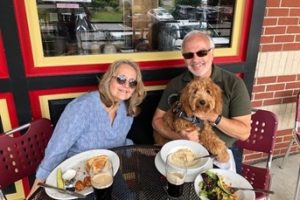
81,27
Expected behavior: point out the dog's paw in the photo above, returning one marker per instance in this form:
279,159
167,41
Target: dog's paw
223,156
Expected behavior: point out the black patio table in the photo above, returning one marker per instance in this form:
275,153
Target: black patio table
137,177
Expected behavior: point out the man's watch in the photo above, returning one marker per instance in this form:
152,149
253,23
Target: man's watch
217,121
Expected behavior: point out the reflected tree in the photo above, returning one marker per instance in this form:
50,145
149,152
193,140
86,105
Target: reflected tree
105,3
194,3
228,2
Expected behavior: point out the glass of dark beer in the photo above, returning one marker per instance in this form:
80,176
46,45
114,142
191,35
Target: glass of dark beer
102,181
175,174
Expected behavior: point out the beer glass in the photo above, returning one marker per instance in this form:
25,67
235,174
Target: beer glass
102,181
175,174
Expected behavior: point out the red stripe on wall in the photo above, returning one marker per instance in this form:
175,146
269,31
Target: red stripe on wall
34,96
3,62
11,108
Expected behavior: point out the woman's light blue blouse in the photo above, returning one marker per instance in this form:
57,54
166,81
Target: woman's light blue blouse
84,125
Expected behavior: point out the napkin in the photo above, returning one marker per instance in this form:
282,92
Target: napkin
229,165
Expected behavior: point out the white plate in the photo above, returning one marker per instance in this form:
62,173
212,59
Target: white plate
190,177
197,148
232,178
77,162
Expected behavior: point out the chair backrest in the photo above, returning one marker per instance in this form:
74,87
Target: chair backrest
263,129
21,155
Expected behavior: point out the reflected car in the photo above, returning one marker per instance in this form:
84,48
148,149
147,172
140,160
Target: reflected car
207,14
177,31
226,12
160,14
183,12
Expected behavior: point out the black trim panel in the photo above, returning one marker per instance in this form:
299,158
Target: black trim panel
5,85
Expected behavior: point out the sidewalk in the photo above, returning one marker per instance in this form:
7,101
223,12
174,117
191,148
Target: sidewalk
284,180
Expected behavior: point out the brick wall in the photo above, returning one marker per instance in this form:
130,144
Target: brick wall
281,26
277,79
275,90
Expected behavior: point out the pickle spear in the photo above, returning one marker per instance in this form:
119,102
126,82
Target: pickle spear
59,181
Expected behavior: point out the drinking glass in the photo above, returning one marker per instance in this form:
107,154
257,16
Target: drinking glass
102,181
175,174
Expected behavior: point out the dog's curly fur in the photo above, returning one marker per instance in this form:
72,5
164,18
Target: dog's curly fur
201,95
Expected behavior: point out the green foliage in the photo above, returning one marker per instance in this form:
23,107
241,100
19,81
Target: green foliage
188,2
209,2
221,2
228,2
213,2
108,16
105,3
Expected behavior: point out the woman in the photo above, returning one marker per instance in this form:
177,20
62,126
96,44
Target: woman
96,120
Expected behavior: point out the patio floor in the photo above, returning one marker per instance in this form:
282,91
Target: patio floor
284,180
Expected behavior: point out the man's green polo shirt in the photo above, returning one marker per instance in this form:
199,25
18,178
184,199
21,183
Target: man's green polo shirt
236,100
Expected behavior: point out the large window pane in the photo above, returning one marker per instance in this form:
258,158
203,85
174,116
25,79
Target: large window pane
83,27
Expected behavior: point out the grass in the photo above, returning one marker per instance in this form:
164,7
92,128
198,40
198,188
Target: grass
108,16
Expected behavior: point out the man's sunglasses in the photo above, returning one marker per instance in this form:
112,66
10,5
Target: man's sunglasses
200,53
122,79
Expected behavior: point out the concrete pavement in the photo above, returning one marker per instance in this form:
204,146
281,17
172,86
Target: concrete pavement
284,180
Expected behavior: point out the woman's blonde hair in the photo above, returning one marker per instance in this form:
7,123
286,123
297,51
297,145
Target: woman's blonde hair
137,96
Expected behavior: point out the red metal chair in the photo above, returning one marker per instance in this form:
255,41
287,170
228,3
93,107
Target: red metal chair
295,139
21,154
297,184
295,132
262,139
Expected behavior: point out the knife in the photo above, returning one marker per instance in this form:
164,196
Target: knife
233,189
76,194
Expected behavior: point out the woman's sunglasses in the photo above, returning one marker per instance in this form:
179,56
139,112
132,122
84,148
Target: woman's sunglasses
200,53
122,79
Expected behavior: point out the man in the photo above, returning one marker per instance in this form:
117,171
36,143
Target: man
234,123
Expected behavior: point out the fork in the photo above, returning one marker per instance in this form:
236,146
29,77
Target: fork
69,185
206,156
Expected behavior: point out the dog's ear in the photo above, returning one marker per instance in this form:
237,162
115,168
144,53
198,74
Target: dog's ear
185,99
218,98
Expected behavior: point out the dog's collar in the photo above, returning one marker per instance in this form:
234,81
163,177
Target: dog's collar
181,114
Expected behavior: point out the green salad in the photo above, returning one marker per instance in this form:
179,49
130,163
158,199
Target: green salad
214,188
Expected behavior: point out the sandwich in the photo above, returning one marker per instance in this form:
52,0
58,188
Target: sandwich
96,163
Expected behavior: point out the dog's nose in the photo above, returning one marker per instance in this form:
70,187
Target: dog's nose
202,102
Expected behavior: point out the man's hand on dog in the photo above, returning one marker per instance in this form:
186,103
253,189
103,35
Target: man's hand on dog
190,134
210,116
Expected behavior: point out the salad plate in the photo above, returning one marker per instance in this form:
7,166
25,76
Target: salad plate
78,162
230,178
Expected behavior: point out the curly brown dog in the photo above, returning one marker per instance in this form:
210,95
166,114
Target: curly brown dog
199,96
